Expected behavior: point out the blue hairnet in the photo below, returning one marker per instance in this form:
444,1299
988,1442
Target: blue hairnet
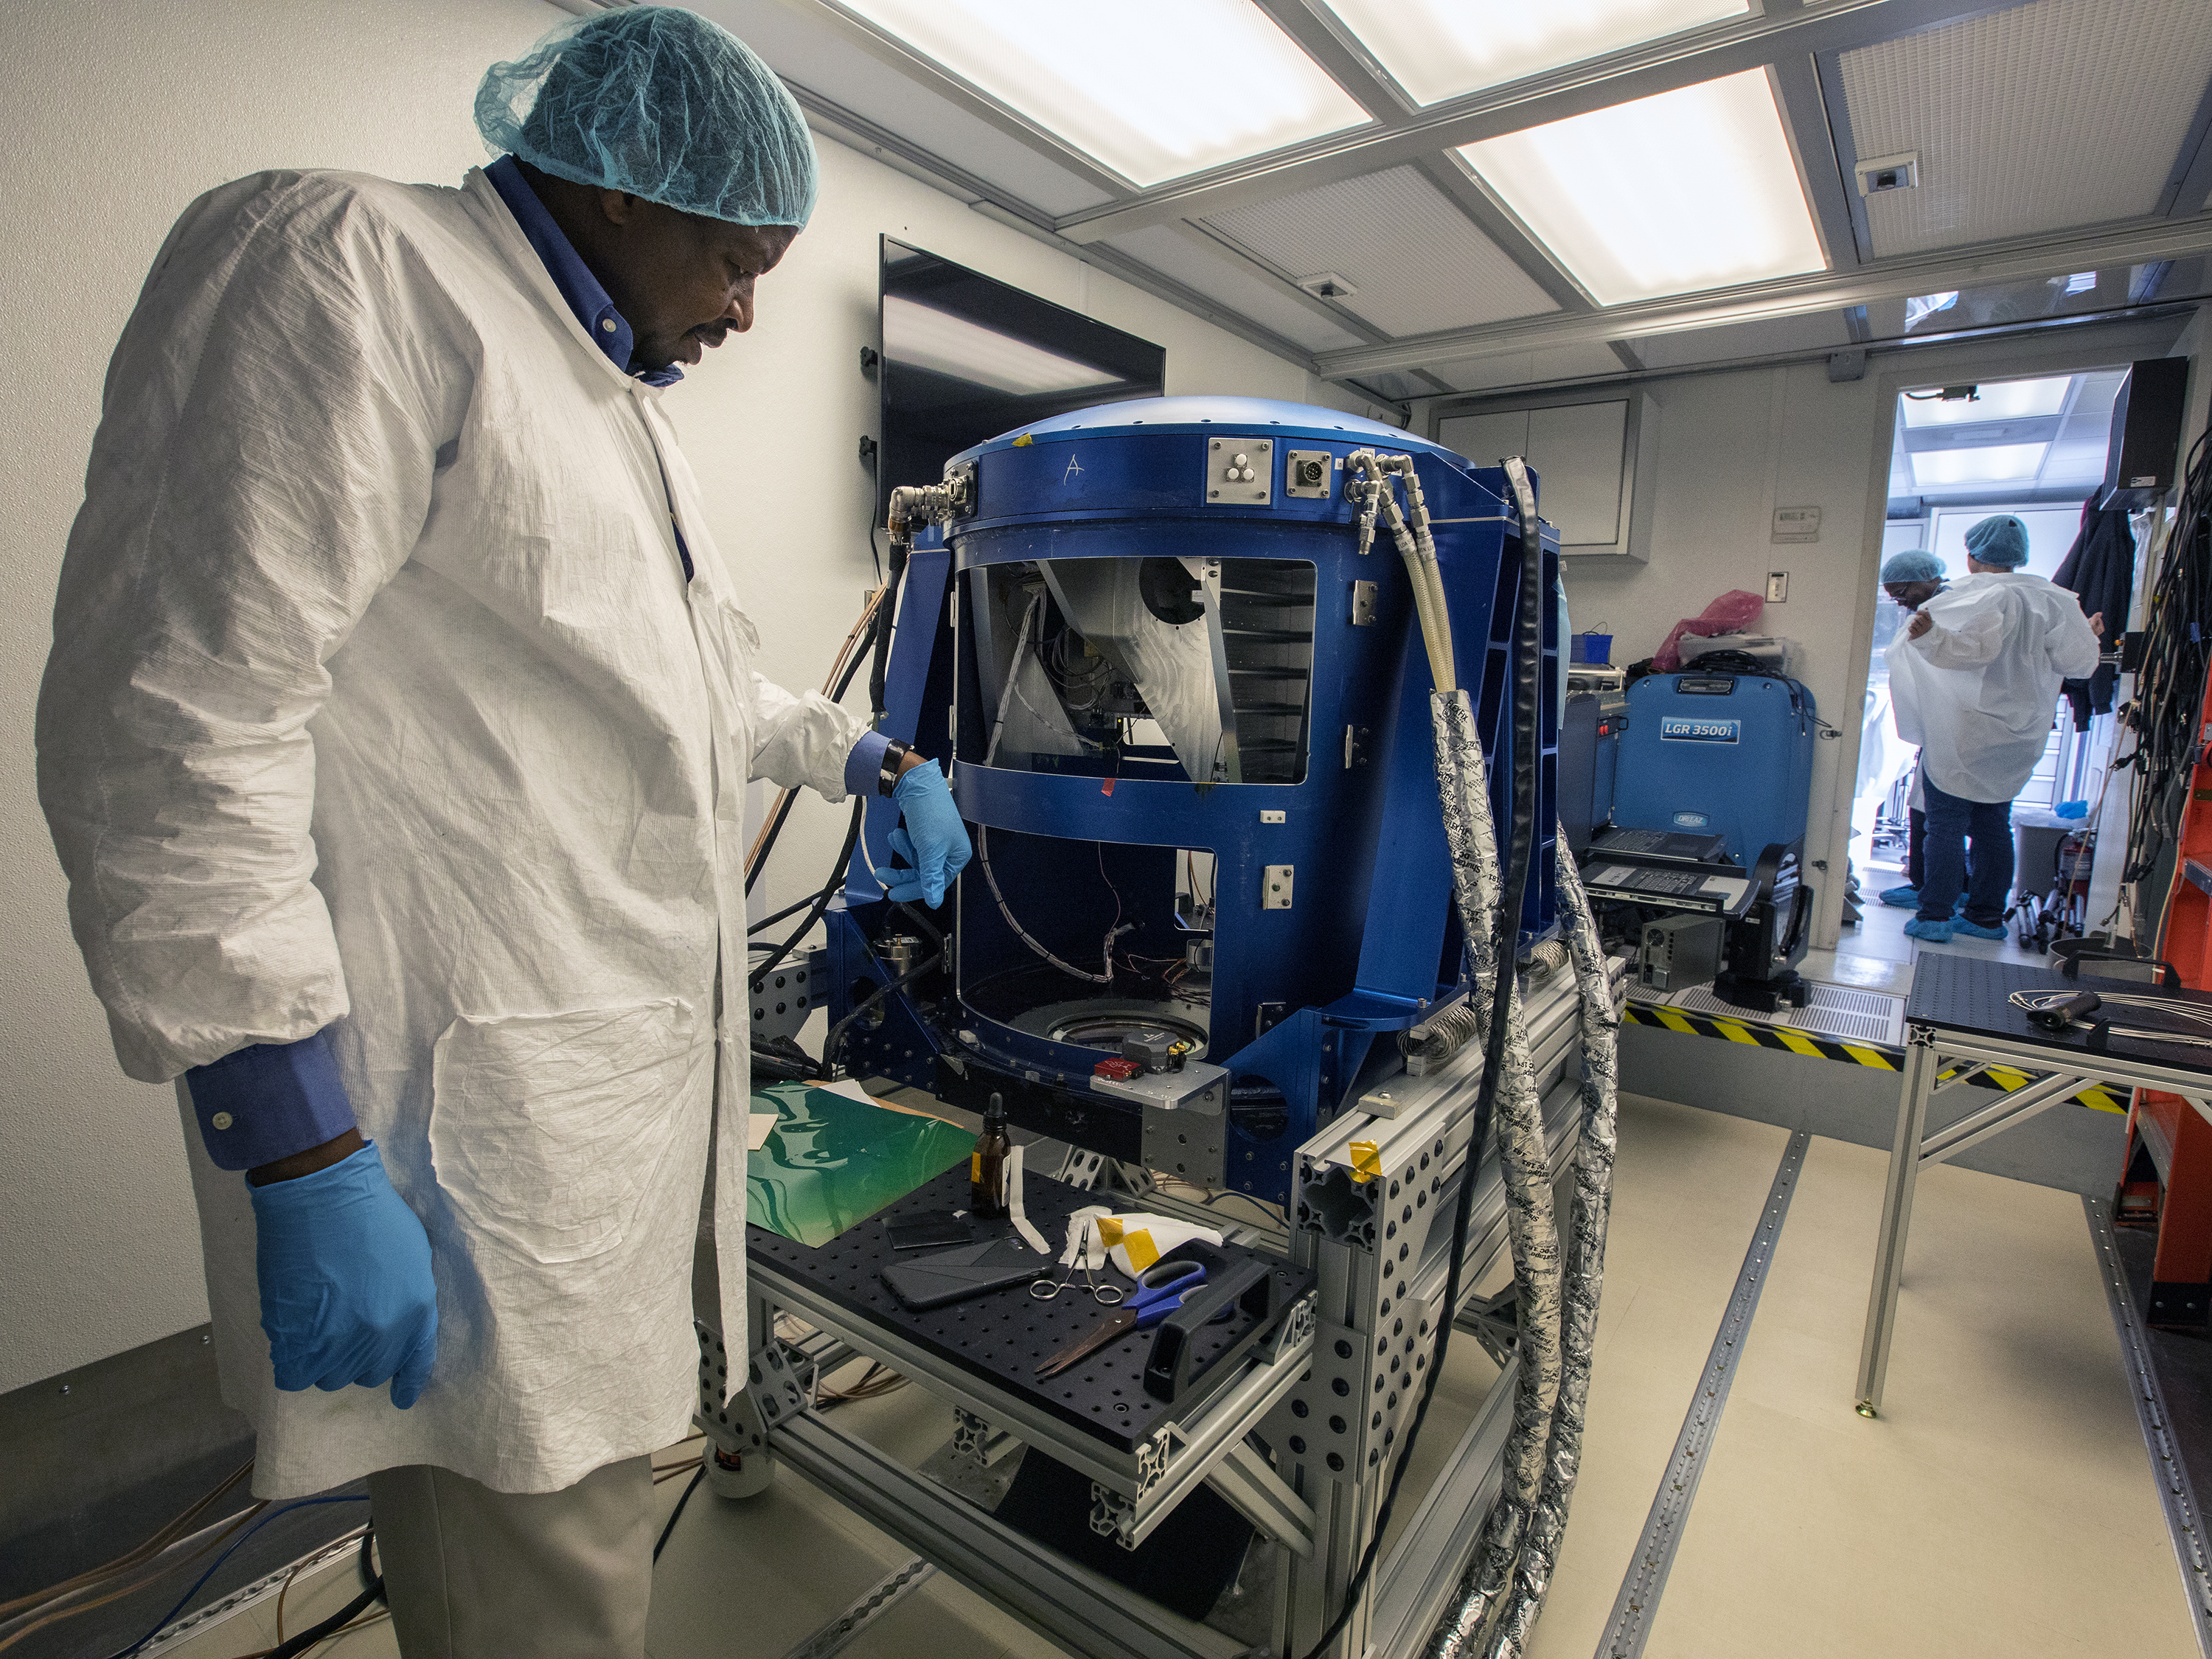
1917,566
1999,540
660,102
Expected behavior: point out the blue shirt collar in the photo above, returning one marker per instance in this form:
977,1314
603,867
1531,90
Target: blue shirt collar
587,296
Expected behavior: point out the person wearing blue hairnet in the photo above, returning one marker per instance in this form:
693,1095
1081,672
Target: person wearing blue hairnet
394,740
1911,579
1974,680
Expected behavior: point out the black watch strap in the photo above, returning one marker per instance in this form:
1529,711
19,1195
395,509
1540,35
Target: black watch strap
895,754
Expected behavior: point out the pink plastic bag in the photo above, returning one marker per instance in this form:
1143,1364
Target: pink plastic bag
1732,613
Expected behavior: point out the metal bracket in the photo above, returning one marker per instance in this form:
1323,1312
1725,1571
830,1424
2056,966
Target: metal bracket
1113,1515
974,1437
1275,881
1250,1484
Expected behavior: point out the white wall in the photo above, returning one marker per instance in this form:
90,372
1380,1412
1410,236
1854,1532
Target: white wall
1733,447
119,112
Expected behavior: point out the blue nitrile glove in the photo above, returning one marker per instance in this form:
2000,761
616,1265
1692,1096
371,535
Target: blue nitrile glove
933,839
346,1292
2072,809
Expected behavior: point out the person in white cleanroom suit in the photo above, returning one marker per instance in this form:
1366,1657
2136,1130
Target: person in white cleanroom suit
395,740
1974,680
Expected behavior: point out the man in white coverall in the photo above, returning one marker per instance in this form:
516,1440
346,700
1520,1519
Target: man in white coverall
395,741
1974,680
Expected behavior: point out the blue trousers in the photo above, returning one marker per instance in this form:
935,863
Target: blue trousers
1951,822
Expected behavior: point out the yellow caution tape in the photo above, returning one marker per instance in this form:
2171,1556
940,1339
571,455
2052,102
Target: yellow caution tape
1879,1059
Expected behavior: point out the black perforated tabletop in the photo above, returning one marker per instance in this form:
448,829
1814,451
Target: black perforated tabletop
1970,994
1002,1336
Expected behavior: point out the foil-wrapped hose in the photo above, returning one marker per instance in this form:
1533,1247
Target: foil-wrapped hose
1503,1587
1584,1268
1523,1167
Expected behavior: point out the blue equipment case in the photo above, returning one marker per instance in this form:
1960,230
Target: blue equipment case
1718,754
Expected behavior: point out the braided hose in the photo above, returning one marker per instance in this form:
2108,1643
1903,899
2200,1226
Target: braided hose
1416,546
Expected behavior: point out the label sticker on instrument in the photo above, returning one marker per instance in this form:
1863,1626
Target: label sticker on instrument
1692,820
1691,728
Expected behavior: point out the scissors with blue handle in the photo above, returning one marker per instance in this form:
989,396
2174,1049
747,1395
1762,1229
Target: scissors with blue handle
1161,1288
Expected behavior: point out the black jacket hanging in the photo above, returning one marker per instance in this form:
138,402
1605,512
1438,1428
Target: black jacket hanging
2100,569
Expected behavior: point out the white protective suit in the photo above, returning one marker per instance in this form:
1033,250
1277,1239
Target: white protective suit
1978,690
377,697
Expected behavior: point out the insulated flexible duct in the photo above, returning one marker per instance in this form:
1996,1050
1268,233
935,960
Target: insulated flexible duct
1523,1167
1506,1579
1584,1268
1490,920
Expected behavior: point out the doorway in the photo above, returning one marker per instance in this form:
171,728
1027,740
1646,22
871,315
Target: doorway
2034,447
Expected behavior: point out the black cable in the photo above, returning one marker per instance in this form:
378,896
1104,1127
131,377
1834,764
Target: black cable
791,909
1527,662
677,1514
2170,689
821,899
783,811
886,621
292,1646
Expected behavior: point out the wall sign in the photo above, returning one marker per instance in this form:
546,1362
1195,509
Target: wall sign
1796,524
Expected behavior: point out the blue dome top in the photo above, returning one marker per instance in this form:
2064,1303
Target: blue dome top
1195,414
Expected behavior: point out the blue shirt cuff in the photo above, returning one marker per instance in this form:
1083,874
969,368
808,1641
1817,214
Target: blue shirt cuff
269,1101
865,765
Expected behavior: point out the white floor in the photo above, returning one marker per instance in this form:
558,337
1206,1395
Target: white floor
2003,1504
1876,955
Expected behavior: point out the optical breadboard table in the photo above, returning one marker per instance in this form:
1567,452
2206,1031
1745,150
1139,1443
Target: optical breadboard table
997,1340
1961,1015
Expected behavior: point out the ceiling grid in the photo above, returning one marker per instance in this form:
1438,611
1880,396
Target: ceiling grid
2042,117
1420,265
1238,287
2055,137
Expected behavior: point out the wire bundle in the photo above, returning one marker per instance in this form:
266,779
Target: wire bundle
2197,1014
2169,698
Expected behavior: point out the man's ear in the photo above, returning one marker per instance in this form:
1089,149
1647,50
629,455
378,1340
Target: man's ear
619,205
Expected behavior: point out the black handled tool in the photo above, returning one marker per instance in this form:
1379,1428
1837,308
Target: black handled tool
1249,1286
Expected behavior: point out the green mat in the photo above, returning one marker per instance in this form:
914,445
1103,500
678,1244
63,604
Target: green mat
830,1162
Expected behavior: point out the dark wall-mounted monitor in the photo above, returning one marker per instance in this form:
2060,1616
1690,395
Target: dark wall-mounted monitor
966,358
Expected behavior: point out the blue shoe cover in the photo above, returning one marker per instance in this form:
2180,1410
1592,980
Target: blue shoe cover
1936,932
1902,898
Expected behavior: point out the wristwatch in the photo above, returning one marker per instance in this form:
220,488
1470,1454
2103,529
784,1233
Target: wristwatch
895,754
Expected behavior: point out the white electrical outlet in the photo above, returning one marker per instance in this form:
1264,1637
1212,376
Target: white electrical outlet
1777,587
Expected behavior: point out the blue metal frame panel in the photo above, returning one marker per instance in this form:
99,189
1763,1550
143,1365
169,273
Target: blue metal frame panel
1370,937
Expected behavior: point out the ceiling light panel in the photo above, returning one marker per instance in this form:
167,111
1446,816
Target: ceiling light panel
1152,89
1687,191
1938,468
1439,49
2029,120
1418,265
807,54
2008,400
